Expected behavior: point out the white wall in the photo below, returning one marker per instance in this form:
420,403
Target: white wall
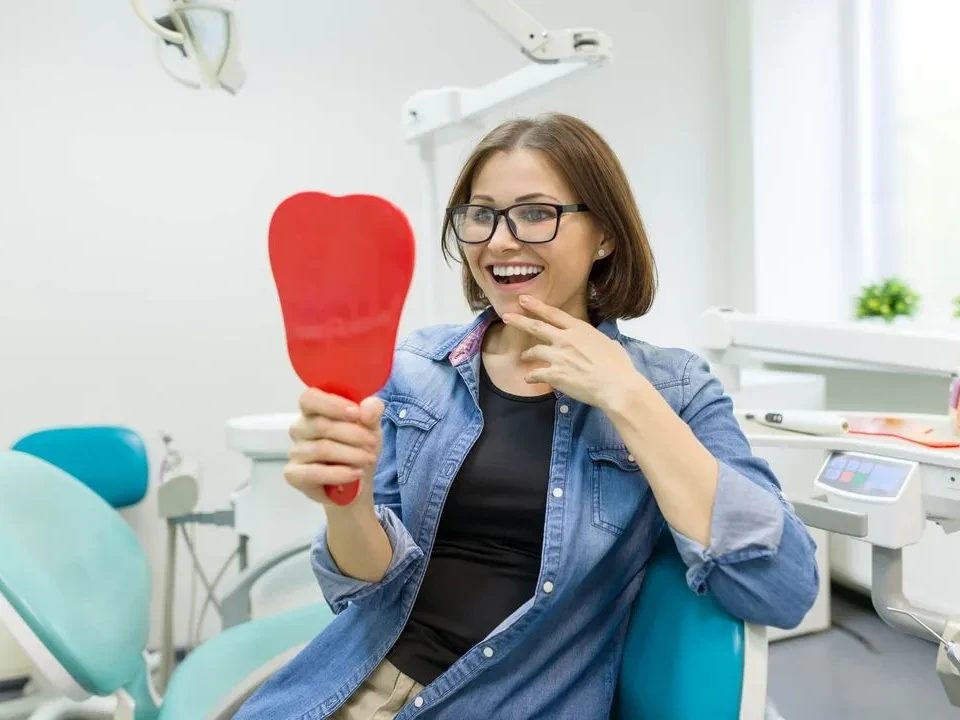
134,285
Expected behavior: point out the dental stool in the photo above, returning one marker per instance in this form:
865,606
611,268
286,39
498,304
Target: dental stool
75,593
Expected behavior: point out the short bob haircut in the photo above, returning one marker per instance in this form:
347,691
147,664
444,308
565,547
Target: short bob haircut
623,284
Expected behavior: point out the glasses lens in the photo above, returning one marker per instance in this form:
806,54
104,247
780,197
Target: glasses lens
473,223
534,223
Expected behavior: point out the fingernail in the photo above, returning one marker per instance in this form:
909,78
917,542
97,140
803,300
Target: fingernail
524,299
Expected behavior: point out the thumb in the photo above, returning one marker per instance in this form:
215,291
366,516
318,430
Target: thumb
371,410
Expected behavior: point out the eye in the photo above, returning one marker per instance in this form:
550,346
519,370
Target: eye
536,213
479,214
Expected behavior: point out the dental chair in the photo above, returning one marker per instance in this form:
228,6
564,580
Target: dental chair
75,591
110,460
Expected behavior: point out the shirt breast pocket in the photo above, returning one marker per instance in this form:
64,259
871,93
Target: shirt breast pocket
413,421
618,488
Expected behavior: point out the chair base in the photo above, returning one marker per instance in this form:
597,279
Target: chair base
39,702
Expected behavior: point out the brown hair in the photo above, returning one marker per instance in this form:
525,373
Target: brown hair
625,282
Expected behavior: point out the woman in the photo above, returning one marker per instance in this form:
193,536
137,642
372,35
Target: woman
518,471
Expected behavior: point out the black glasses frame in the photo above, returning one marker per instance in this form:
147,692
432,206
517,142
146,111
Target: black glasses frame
502,212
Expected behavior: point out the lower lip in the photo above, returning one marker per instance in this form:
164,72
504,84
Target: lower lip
517,286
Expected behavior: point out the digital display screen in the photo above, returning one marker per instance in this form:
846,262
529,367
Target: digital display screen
865,475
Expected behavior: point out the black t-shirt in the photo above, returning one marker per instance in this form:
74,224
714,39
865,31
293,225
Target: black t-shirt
486,557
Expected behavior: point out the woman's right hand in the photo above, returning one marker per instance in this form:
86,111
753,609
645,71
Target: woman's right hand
335,441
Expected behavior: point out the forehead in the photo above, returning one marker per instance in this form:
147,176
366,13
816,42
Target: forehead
506,176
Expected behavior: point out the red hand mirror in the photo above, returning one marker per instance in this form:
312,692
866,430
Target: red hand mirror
343,268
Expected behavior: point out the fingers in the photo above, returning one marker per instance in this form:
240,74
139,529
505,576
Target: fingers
538,328
311,476
554,316
371,410
319,428
333,407
331,452
540,376
539,353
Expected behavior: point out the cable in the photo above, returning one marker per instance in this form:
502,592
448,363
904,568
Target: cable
155,27
193,597
198,567
207,602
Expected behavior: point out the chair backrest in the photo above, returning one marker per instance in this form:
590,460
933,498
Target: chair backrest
74,574
112,461
685,657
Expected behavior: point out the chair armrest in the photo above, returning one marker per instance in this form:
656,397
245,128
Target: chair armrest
235,605
230,705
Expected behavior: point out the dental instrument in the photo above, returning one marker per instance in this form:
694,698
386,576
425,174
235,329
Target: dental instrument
811,422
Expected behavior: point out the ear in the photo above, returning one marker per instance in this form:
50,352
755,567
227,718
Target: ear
605,249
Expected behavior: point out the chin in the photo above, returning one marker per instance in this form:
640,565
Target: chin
510,304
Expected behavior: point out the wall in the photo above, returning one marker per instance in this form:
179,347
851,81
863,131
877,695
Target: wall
789,192
134,285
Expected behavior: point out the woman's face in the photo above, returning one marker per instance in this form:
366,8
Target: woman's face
555,272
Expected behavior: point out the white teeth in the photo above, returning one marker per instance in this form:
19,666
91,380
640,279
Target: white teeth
507,270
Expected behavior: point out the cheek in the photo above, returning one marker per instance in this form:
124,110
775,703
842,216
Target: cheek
471,256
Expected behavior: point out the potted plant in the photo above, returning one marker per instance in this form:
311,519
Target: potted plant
956,308
887,301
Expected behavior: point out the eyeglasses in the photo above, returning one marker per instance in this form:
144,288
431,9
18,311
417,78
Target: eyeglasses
528,222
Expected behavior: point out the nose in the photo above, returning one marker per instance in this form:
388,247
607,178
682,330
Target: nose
503,240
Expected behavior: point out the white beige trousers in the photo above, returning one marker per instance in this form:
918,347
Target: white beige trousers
381,696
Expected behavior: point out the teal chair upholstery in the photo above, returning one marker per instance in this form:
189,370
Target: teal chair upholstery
77,580
112,461
685,657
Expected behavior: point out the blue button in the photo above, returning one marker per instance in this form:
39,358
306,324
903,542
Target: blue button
866,467
852,464
832,473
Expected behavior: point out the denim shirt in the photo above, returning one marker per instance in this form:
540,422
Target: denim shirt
558,655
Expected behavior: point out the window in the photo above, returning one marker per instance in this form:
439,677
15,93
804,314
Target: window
908,125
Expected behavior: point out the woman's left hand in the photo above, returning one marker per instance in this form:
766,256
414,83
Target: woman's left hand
575,358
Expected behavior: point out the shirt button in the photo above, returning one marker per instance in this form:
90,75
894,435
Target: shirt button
564,409
402,413
558,492
488,652
418,702
630,458
548,587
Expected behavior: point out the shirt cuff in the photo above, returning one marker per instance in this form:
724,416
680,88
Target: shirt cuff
339,589
747,523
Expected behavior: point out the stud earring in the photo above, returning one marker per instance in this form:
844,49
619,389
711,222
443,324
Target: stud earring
601,252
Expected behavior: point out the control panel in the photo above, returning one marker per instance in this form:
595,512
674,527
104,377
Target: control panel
870,476
885,492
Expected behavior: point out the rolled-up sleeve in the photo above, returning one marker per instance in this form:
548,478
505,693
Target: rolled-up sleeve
761,561
338,589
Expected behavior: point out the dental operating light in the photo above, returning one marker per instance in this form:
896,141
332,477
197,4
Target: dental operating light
204,35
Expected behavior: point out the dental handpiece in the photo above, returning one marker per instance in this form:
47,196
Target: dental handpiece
952,648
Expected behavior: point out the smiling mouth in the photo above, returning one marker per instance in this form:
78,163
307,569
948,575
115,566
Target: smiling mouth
514,274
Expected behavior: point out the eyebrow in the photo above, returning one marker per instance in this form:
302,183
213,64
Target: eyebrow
522,198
